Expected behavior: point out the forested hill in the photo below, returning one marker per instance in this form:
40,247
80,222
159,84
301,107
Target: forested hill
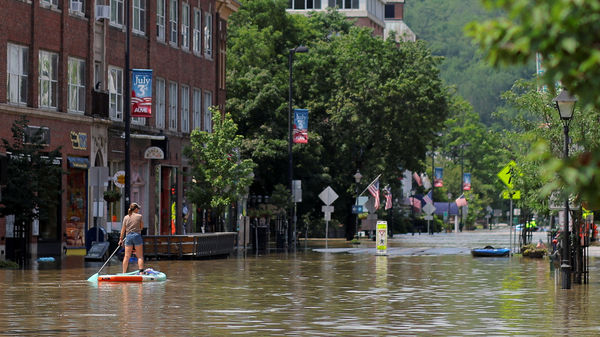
441,24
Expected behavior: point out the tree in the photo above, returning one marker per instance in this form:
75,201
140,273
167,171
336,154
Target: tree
219,175
33,183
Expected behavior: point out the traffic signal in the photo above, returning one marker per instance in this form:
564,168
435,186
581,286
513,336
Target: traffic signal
173,190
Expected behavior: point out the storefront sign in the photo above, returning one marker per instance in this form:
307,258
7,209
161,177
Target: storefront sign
119,179
78,162
141,93
154,152
79,140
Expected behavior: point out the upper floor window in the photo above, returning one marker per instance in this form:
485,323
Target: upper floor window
304,4
185,26
173,106
344,4
185,109
76,6
160,20
208,35
48,71
116,12
49,2
76,85
17,71
173,19
207,112
115,89
197,30
197,109
139,16
160,103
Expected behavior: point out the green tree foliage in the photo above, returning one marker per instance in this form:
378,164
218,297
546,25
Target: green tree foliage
33,184
441,25
220,175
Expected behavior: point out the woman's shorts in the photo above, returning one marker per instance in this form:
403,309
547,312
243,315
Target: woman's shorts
133,239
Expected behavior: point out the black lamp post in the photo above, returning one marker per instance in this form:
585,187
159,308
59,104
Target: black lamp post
357,178
449,195
299,49
565,104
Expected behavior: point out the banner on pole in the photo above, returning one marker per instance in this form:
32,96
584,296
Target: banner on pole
300,126
467,182
438,175
141,93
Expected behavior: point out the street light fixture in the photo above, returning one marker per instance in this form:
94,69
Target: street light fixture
357,178
299,49
565,104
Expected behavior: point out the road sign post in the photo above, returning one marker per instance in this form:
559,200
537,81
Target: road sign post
328,196
381,237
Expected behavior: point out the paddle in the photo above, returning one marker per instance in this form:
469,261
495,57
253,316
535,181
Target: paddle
94,278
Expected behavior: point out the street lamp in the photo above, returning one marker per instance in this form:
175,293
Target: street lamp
357,178
449,195
565,104
299,49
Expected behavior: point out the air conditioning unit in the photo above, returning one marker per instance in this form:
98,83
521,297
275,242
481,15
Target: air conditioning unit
76,6
102,12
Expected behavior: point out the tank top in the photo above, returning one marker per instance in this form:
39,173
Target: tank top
132,223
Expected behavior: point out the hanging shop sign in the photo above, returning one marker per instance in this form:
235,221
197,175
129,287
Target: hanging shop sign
154,152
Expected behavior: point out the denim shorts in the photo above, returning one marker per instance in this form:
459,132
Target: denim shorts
133,239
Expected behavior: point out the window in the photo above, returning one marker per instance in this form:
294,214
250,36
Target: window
173,106
49,2
304,4
197,112
48,79
36,135
76,85
115,90
116,12
139,16
160,103
185,109
344,4
208,35
207,113
17,69
173,17
185,26
160,20
76,6
197,30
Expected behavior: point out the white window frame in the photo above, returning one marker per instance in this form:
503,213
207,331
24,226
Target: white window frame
139,17
207,112
49,3
115,89
116,13
185,26
185,109
160,20
48,99
197,109
173,20
160,103
208,32
76,94
76,7
17,66
173,106
197,33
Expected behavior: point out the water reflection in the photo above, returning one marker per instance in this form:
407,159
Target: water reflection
307,294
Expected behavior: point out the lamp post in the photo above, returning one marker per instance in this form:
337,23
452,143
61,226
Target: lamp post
449,195
565,104
299,49
357,178
462,180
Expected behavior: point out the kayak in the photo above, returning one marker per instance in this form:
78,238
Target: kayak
490,251
148,275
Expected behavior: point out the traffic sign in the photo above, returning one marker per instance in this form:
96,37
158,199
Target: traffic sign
428,217
429,209
506,194
328,195
356,209
507,174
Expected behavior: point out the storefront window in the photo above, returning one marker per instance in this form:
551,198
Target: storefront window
76,207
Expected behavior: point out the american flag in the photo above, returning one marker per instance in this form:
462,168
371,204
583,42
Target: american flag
374,190
427,198
417,179
461,201
387,192
416,203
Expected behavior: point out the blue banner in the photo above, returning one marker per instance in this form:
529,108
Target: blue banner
300,126
467,182
141,93
438,177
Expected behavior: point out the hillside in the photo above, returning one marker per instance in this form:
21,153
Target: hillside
440,23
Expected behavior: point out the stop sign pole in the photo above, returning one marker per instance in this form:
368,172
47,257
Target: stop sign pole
328,196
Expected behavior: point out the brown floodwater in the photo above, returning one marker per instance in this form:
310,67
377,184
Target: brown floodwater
434,291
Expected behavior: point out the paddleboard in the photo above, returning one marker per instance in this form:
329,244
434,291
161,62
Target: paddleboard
148,275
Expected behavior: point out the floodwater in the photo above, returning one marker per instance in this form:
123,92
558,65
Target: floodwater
428,289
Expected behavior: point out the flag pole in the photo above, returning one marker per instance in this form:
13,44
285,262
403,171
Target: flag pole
369,185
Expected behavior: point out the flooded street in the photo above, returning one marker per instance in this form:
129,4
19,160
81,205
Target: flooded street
437,290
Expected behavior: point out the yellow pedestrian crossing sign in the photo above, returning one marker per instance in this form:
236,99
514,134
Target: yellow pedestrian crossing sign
510,194
507,174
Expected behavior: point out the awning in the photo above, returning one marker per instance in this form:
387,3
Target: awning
78,162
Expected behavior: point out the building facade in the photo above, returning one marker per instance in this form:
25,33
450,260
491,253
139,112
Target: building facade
383,16
63,66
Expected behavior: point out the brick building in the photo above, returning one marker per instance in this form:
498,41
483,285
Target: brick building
62,65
